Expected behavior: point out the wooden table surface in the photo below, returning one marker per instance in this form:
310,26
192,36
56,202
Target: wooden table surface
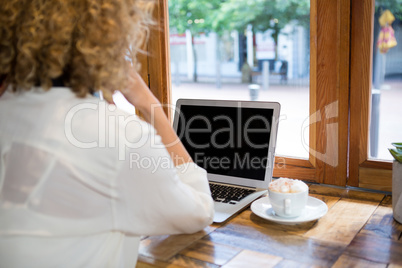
357,231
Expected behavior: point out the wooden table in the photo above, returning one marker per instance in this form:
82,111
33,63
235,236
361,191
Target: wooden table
357,231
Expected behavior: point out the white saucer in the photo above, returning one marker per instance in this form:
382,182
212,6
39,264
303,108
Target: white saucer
314,210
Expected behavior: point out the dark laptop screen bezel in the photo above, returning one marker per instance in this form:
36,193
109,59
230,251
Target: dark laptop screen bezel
274,106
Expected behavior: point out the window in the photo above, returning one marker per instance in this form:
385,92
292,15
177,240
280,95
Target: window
246,55
364,172
340,81
386,90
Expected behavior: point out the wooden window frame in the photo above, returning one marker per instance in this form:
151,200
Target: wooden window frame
363,172
155,64
329,86
337,64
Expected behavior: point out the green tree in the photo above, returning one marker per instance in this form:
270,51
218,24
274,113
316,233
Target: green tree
220,16
262,15
194,16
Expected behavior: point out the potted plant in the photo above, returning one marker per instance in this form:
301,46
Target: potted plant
397,181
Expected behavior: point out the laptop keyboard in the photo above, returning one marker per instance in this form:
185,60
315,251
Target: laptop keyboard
228,194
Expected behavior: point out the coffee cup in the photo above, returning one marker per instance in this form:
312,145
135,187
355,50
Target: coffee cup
288,197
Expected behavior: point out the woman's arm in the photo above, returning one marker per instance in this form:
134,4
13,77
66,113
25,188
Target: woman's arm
176,199
139,95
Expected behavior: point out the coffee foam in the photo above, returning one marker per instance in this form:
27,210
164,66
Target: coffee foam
285,185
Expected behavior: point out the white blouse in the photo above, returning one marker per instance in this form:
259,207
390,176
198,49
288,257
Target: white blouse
81,181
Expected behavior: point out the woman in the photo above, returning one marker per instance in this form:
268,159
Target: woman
81,181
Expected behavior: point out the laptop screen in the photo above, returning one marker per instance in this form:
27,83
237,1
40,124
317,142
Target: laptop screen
229,141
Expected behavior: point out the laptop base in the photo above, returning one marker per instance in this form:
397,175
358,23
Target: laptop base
224,211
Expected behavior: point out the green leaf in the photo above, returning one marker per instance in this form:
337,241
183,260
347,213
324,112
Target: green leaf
396,154
398,145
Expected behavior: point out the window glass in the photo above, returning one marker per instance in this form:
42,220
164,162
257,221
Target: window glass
386,109
245,50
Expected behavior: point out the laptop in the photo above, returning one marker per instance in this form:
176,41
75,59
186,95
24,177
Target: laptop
235,142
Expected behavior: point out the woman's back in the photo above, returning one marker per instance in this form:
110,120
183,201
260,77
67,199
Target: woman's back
67,190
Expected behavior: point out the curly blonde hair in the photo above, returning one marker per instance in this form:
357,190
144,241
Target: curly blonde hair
86,43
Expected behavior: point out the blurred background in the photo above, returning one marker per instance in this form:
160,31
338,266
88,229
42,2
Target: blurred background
260,50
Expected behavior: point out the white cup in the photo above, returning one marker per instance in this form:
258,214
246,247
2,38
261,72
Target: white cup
289,204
